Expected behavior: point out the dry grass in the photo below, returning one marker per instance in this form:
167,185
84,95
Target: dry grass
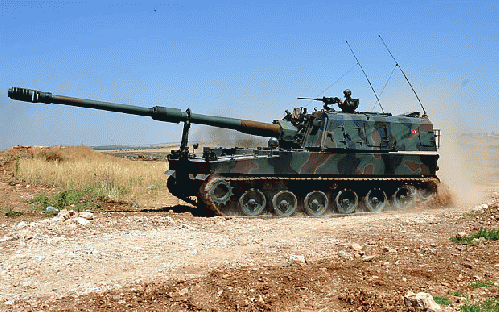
81,167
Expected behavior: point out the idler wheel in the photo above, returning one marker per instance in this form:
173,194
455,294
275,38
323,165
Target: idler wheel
252,202
375,200
316,203
220,191
404,196
284,203
346,201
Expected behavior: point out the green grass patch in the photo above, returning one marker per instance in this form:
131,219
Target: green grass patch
82,198
470,214
442,300
488,234
481,284
11,213
490,305
455,293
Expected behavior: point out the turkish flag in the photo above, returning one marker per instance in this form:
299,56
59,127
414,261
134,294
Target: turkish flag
414,131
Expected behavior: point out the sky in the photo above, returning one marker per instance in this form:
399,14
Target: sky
242,59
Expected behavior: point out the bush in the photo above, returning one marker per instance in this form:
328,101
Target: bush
81,198
490,234
12,213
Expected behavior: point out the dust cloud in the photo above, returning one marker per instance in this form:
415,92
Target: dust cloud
466,162
218,137
466,166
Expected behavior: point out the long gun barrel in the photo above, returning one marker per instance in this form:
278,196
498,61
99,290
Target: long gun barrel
173,115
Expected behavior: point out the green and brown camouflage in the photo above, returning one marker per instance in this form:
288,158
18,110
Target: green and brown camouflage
352,159
306,163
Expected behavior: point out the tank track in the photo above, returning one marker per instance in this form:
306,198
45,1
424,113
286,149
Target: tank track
321,196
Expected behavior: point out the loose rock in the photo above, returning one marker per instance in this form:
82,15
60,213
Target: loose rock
86,215
82,221
420,302
387,249
296,258
356,246
64,213
345,255
368,258
52,210
21,224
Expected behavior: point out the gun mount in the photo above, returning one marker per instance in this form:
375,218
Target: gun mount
325,160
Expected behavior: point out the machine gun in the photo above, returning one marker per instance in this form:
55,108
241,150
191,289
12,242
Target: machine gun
326,100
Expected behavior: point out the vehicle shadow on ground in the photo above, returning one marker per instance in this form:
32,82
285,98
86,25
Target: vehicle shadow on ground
196,212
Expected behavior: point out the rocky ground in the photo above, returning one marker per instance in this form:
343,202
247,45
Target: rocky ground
166,260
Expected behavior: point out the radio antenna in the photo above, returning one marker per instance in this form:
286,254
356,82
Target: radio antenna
397,65
372,88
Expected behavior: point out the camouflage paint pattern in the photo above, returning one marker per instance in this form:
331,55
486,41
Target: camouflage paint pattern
370,131
318,164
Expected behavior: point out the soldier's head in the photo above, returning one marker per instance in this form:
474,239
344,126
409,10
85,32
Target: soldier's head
347,93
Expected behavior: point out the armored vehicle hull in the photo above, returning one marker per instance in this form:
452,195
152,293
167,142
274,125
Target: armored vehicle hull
334,162
317,183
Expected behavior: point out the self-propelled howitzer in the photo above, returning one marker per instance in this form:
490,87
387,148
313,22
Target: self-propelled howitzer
338,161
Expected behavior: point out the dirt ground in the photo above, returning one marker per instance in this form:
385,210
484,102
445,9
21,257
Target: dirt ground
166,259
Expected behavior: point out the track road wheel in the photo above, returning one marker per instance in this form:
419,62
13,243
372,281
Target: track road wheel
346,201
220,191
284,203
375,200
404,196
316,203
252,202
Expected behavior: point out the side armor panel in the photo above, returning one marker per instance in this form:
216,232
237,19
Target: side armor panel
320,163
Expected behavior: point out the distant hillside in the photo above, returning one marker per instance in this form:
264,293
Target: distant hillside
135,147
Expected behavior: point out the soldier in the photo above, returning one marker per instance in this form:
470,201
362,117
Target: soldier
349,105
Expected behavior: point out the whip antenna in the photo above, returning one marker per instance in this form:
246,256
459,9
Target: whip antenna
372,88
397,64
